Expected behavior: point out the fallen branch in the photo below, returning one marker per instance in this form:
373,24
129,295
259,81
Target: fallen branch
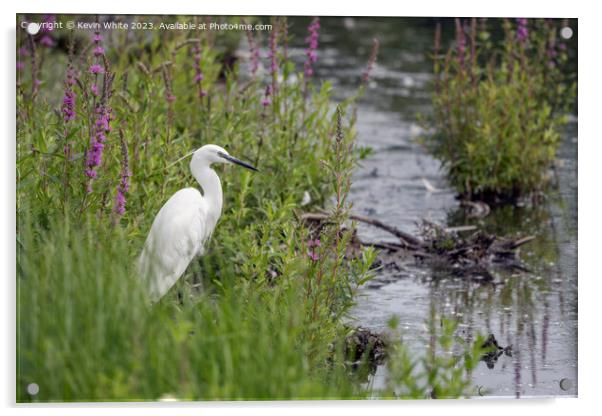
407,240
520,242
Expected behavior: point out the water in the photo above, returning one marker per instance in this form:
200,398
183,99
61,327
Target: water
534,312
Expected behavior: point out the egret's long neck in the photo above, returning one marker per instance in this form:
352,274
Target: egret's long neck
212,190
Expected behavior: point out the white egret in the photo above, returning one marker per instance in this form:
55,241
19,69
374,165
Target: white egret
184,224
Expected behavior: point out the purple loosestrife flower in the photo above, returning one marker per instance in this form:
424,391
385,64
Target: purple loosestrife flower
312,253
20,65
94,159
272,54
371,61
100,130
35,82
68,107
48,18
124,181
552,52
47,41
198,72
98,51
120,200
266,96
312,46
71,76
314,243
122,189
96,69
460,42
254,51
522,33
284,36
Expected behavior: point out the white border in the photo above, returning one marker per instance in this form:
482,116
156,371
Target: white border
590,153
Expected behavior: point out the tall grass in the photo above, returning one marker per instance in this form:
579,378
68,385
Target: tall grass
87,331
259,315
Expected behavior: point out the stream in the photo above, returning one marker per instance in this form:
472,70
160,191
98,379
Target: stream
535,312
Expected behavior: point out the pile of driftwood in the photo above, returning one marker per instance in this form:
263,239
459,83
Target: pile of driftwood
466,250
365,350
361,341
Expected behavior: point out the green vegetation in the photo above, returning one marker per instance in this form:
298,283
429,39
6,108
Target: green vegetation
499,107
267,322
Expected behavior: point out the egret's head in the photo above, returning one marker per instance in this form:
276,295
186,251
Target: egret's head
211,153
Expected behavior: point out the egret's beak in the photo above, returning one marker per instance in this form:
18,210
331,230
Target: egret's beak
238,162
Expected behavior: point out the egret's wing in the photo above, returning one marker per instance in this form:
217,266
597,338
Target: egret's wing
176,236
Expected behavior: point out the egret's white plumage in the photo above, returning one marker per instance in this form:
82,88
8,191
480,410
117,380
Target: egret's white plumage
184,224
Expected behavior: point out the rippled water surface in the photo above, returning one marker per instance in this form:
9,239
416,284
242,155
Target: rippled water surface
534,312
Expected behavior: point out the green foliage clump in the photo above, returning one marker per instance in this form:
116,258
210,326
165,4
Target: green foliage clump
499,107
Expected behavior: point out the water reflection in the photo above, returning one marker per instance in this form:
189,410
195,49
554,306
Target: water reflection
516,305
535,312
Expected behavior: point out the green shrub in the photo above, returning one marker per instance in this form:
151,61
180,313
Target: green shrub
499,108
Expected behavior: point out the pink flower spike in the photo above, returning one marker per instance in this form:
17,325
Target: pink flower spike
312,45
99,51
96,69
314,243
47,41
313,256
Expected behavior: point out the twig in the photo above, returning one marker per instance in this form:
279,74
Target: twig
461,228
383,245
520,242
